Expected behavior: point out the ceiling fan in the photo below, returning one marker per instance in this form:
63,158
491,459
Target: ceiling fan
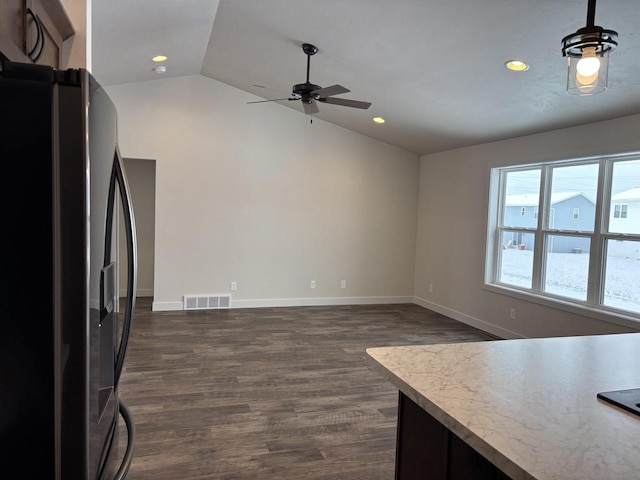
310,94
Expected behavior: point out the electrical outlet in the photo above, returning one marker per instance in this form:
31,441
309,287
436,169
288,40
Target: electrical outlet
512,314
431,288
313,284
343,284
234,286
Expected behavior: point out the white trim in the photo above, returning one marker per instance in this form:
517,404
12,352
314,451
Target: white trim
468,319
310,302
294,302
166,306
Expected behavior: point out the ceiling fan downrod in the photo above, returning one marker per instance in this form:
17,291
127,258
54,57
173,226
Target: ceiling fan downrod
309,50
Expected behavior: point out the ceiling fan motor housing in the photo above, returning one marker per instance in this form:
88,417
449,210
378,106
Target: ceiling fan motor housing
305,91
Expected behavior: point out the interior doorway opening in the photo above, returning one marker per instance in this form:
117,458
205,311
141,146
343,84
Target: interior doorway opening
141,176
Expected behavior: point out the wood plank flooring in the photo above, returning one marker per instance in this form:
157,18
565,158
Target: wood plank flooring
269,393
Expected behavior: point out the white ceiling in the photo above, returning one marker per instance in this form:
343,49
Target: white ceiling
432,68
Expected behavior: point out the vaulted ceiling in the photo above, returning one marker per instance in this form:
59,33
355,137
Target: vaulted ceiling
433,69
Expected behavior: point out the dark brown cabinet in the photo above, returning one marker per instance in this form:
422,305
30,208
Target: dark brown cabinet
34,31
465,463
427,450
421,445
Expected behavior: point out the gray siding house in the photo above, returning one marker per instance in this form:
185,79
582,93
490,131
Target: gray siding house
569,211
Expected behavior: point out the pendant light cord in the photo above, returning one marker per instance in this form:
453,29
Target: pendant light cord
591,13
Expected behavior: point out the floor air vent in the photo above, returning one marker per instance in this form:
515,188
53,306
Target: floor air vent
205,302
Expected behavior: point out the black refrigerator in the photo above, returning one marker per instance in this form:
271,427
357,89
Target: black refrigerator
63,327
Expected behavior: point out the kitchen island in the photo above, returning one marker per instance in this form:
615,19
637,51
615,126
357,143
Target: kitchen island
521,409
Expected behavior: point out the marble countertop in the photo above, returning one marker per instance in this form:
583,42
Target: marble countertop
529,406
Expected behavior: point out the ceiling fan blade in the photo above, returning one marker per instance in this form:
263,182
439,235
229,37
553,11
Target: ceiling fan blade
345,102
311,107
329,91
274,100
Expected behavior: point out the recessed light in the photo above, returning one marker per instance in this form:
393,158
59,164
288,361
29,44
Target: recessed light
378,119
516,65
160,69
159,58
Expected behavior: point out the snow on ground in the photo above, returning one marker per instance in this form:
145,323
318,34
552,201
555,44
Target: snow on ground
568,276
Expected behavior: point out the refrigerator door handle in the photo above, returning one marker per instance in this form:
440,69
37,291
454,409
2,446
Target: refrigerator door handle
132,259
121,474
125,464
118,177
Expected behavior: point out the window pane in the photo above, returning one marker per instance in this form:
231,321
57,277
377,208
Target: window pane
522,195
516,261
625,197
621,280
573,195
567,266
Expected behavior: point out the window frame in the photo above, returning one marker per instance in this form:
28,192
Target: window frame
594,304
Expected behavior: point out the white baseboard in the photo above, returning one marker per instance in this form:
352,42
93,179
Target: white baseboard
468,319
293,302
310,302
167,306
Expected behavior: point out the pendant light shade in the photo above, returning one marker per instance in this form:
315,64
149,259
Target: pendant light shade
587,53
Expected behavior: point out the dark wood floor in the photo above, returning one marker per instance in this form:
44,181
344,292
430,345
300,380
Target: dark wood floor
269,393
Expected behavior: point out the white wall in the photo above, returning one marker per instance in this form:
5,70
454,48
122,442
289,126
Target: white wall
454,192
257,195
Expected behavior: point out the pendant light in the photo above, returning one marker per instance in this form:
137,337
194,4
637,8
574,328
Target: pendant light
587,53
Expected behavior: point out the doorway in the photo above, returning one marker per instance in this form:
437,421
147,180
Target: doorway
141,176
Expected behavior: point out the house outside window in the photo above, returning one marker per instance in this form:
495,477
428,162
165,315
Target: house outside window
568,249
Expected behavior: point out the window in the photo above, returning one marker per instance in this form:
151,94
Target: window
620,211
570,249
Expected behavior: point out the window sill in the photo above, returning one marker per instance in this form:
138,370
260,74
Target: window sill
604,314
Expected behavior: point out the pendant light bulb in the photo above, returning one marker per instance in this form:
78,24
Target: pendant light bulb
589,64
587,51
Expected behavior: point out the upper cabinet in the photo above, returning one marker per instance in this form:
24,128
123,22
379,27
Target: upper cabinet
34,31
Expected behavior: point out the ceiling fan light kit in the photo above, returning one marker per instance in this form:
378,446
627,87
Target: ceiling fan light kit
587,52
310,94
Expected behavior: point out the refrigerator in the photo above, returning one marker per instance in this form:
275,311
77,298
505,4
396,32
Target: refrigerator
64,329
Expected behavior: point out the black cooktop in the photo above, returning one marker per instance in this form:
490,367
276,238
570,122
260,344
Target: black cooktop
627,399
